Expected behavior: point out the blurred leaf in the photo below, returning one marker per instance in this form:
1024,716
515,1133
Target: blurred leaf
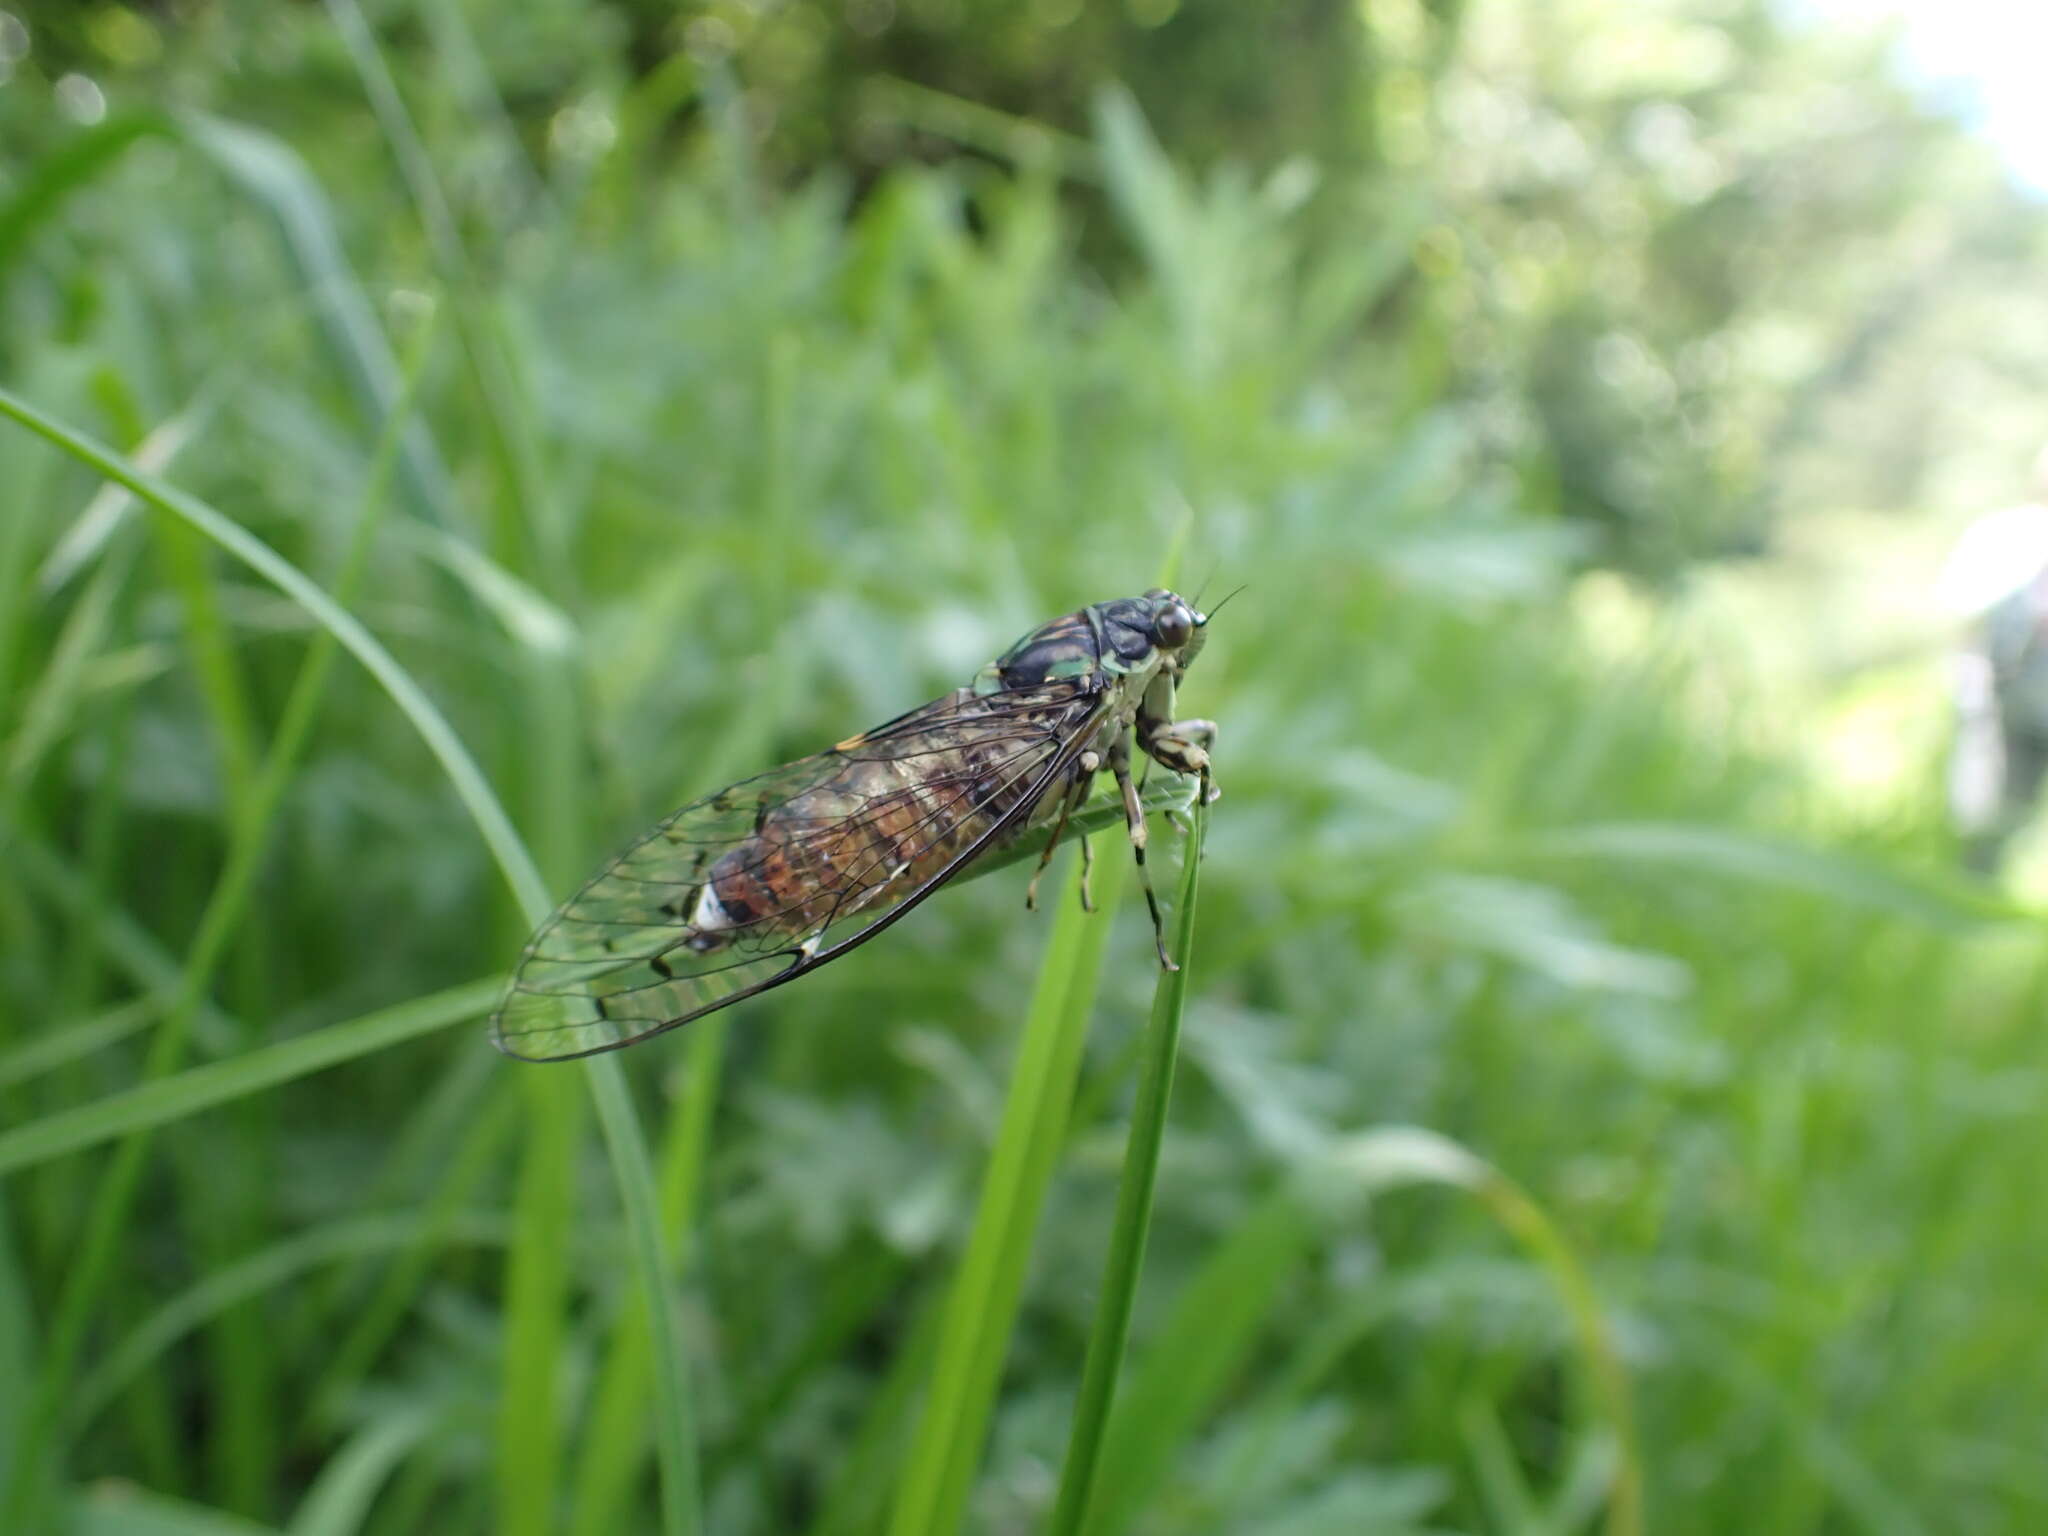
1534,926
1942,901
340,1498
116,1509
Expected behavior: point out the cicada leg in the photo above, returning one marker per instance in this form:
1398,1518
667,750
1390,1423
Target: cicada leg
1134,821
1068,801
1087,869
1183,746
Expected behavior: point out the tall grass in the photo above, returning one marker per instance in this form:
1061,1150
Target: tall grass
703,473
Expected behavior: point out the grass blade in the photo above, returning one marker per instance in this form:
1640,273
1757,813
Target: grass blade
1133,1206
269,171
678,1437
265,1270
255,796
615,1438
1934,897
1394,1156
461,770
1206,1336
130,946
120,1509
982,1308
537,1280
201,1088
71,167
338,1502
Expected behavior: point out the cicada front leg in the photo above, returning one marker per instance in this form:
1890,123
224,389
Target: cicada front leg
1179,745
1183,746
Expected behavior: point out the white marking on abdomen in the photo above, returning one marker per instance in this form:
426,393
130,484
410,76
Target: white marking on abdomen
709,915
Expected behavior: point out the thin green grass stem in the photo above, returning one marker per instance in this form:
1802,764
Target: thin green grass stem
981,1310
1126,1256
676,1442
374,1322
537,1281
528,537
615,1441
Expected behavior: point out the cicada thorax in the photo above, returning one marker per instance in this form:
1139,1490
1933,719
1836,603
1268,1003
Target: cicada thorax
1067,647
885,823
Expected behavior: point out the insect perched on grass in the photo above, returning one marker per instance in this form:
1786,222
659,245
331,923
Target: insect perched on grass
772,877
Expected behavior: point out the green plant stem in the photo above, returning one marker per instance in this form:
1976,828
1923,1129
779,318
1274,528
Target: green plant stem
1133,1207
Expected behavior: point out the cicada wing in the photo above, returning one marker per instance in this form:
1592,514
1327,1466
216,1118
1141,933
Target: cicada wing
811,859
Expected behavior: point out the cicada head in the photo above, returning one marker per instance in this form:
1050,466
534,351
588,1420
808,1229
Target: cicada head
1174,627
1136,636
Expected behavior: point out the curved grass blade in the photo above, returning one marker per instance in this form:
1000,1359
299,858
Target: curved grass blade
463,775
266,1270
1211,1326
631,1164
339,1501
55,176
1395,1156
1933,898
271,172
197,1089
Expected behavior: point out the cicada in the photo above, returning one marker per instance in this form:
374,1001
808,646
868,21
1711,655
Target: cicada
769,878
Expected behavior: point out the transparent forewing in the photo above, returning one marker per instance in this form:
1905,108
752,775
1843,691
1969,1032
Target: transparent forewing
777,874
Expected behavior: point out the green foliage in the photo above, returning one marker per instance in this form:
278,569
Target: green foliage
1726,1192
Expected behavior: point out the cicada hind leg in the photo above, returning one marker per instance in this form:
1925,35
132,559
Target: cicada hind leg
1085,769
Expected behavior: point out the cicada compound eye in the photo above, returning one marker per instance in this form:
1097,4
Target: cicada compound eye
1173,626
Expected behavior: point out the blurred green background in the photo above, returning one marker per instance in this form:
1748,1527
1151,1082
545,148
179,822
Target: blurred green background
1582,390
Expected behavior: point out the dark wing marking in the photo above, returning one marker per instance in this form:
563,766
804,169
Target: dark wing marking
622,959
